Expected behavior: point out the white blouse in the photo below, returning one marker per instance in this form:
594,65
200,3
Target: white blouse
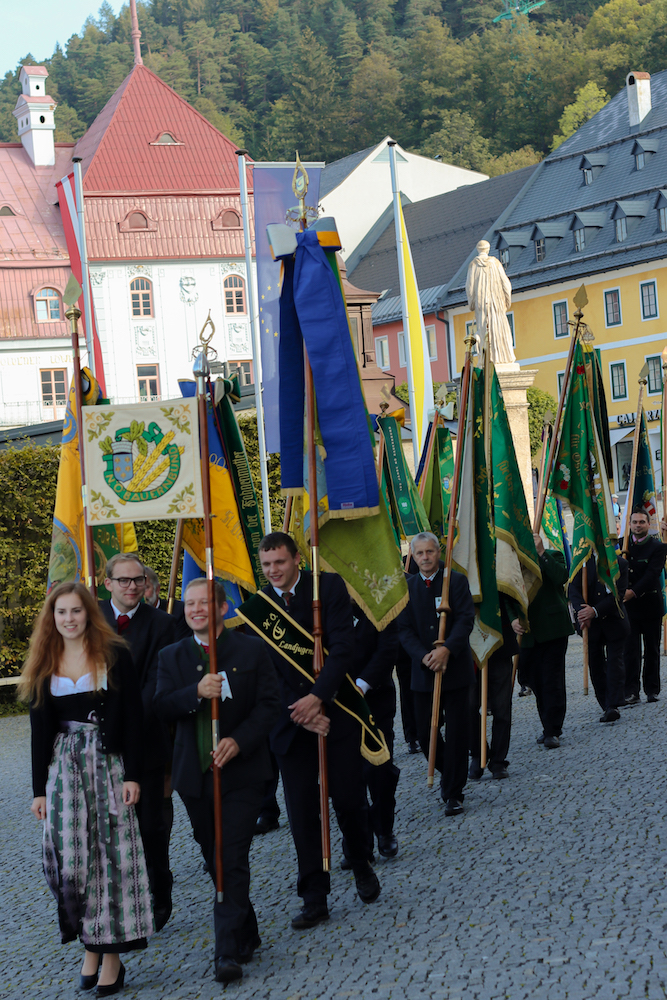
61,686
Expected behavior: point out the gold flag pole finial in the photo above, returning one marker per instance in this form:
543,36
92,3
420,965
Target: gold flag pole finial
300,183
204,345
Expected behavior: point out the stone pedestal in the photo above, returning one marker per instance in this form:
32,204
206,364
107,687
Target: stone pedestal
514,385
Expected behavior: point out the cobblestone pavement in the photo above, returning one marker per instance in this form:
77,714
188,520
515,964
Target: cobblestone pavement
551,885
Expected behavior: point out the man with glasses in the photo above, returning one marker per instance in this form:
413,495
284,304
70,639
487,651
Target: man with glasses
146,631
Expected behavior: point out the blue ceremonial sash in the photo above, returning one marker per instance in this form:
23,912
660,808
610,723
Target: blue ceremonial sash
312,310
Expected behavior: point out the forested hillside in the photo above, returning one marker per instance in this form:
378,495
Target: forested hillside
332,76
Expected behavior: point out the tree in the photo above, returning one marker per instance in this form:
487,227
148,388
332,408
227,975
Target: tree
373,100
507,162
69,126
458,142
539,402
589,100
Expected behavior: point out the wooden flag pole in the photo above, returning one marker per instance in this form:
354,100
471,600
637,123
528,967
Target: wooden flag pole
202,371
74,315
584,631
643,378
429,453
445,608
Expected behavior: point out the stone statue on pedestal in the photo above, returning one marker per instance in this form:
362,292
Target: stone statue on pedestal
490,296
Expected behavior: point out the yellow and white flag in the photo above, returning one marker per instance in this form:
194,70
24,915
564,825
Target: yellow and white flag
142,462
416,343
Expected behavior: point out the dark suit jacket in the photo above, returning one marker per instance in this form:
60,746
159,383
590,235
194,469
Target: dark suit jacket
418,629
181,627
611,612
548,615
375,653
248,716
646,562
120,723
149,631
338,639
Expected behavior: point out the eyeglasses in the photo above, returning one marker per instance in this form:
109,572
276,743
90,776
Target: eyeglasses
126,581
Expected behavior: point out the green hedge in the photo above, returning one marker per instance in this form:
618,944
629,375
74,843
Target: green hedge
28,479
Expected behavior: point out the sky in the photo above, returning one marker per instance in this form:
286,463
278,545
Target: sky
39,25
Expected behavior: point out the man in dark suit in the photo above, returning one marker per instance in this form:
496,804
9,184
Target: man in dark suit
605,618
247,689
152,597
373,666
146,632
644,605
308,709
418,630
544,646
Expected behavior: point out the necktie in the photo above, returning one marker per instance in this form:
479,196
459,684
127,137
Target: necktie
427,582
287,598
122,623
205,648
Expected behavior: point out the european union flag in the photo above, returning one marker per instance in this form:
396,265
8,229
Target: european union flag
273,198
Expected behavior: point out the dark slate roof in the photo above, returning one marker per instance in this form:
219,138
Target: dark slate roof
388,309
442,231
556,193
336,172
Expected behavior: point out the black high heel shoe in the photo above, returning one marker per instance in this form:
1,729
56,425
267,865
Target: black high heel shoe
108,991
89,982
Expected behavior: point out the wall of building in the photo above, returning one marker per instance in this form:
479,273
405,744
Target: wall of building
389,334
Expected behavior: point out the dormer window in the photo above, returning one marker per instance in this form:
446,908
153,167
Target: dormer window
627,215
166,139
6,210
643,149
511,244
585,225
540,250
579,239
662,219
640,161
137,220
47,305
621,230
228,218
591,165
505,256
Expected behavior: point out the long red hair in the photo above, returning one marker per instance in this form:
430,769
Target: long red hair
47,646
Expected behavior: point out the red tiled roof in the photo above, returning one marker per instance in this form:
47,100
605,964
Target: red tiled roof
35,232
17,314
118,155
46,99
183,227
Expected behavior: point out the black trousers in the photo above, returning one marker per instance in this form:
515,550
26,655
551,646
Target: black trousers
155,834
270,808
451,754
404,673
234,919
382,781
500,668
347,788
645,615
544,667
606,645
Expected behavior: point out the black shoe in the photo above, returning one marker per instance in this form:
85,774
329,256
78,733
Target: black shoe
652,698
611,715
541,739
475,771
413,747
161,915
247,950
387,846
368,884
453,807
108,991
346,864
227,970
265,824
632,699
310,915
89,982
501,772
525,691
551,742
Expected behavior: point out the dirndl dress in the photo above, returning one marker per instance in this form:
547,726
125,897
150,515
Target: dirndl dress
92,851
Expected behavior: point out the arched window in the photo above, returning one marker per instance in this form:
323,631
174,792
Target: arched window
234,294
47,305
141,295
137,220
230,219
166,139
6,210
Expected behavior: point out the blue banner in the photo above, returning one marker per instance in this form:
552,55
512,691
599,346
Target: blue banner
273,198
191,571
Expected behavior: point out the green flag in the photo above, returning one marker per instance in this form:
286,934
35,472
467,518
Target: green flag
580,479
438,481
517,565
406,505
644,490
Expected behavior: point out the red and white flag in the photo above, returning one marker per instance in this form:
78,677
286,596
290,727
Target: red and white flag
67,201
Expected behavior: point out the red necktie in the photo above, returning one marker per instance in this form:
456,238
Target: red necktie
205,648
427,582
122,623
287,598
